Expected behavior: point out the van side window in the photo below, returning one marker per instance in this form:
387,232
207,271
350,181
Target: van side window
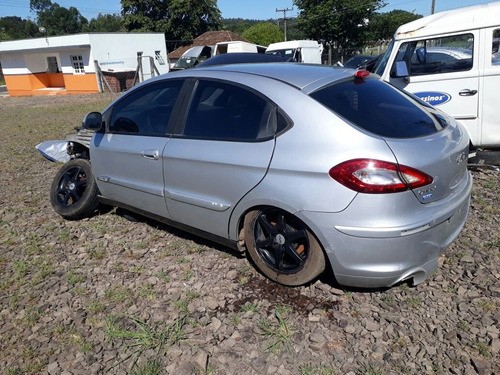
439,55
495,54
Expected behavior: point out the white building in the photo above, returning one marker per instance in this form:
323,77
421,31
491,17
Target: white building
72,63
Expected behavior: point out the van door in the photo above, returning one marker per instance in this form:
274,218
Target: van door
490,82
444,72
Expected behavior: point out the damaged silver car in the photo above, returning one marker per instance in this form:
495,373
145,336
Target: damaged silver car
303,167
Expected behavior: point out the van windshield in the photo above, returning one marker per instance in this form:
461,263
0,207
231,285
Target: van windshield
290,53
379,69
379,108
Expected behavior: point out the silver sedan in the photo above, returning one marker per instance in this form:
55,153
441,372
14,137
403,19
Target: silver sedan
303,167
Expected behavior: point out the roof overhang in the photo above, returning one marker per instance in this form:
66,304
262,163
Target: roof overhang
45,49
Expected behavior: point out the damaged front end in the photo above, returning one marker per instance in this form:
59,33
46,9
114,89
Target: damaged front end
76,145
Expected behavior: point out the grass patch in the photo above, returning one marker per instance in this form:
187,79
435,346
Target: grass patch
117,294
96,307
147,292
140,337
369,369
312,369
483,349
277,331
414,301
150,367
249,307
74,278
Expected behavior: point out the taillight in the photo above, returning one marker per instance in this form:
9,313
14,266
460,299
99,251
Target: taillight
378,177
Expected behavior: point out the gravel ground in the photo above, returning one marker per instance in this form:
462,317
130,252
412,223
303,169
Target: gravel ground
108,295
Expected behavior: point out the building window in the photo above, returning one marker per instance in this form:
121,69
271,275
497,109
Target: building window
52,66
78,66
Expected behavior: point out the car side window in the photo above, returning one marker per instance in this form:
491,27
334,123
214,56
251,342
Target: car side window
495,53
145,111
221,111
438,55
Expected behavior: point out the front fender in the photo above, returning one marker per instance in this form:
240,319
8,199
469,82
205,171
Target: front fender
54,151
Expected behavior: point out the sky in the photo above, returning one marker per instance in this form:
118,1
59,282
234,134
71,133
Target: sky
254,9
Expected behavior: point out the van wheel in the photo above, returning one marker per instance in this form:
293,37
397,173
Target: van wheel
73,193
282,247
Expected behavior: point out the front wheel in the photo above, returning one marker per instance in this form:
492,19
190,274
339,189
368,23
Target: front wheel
73,193
282,247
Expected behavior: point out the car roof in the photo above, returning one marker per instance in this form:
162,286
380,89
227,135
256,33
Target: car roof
460,19
295,74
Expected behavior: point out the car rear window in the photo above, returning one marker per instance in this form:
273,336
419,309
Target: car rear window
378,108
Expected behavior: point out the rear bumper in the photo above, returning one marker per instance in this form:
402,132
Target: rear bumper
368,256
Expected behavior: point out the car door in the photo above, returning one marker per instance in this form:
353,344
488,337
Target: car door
444,72
126,159
222,151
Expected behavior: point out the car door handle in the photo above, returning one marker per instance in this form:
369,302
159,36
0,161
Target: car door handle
151,154
467,92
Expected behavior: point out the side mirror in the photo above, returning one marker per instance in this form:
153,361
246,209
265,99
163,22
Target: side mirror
92,121
401,69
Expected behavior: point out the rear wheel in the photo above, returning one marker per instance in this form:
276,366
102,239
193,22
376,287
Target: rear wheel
73,193
282,247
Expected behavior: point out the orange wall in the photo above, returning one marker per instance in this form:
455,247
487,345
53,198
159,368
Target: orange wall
81,82
21,85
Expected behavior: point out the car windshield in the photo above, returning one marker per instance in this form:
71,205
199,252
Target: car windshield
378,108
186,62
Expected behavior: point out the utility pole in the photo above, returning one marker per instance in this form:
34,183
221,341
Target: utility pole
284,16
433,5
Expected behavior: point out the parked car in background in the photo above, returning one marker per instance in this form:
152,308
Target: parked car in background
304,167
193,57
365,62
357,61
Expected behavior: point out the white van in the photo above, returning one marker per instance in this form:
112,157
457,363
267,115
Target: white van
237,46
303,51
451,60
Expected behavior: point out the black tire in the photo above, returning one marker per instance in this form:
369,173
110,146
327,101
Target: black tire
73,193
282,247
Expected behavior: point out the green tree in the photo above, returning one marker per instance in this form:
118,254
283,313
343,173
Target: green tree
342,23
145,15
58,20
191,18
13,28
264,33
178,19
382,26
105,23
238,25
40,5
